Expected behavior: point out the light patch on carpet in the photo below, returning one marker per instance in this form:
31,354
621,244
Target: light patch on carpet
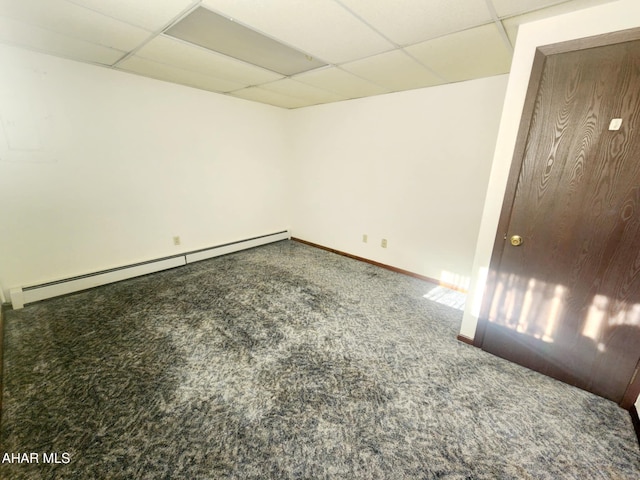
446,296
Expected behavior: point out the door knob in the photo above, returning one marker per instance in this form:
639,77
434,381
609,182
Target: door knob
516,240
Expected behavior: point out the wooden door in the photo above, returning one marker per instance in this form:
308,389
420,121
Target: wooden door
566,302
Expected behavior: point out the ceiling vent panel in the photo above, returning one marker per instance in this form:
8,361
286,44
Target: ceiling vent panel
212,31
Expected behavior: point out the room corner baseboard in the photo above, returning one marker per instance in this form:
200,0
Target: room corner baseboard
381,265
464,339
636,421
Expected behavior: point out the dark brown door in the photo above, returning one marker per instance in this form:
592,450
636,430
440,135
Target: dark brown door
566,301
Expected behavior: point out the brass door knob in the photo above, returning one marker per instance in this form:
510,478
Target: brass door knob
516,240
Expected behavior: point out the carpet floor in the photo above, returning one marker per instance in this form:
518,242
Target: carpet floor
285,362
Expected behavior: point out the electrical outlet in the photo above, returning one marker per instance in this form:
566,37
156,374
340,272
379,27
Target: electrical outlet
383,243
365,238
176,240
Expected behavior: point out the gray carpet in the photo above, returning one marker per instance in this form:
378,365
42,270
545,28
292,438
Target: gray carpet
286,362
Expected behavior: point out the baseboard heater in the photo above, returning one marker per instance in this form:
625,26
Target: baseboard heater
21,296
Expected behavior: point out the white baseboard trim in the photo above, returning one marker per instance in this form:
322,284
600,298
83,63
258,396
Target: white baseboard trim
63,287
235,246
21,296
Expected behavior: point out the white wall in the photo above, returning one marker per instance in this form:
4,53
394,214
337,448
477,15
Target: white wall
101,168
411,167
606,18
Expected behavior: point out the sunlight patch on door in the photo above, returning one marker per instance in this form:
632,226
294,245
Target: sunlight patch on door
535,308
528,306
604,315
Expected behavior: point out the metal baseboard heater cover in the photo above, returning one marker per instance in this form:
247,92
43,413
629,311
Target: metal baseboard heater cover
22,296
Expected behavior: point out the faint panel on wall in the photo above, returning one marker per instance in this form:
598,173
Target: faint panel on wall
29,131
21,131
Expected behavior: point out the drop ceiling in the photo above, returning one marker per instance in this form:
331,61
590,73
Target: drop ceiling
349,48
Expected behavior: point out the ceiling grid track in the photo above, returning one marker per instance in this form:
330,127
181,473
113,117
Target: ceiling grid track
157,33
499,25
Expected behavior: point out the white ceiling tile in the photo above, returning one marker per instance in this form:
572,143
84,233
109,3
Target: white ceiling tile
309,93
474,53
18,33
259,94
190,57
150,14
74,21
321,28
343,83
394,70
411,21
169,73
506,8
511,24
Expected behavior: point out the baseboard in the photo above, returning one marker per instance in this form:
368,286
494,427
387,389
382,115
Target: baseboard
382,265
464,339
21,296
636,421
34,293
206,253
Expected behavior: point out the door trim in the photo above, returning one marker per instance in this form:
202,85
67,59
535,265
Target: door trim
635,420
537,69
510,192
632,392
